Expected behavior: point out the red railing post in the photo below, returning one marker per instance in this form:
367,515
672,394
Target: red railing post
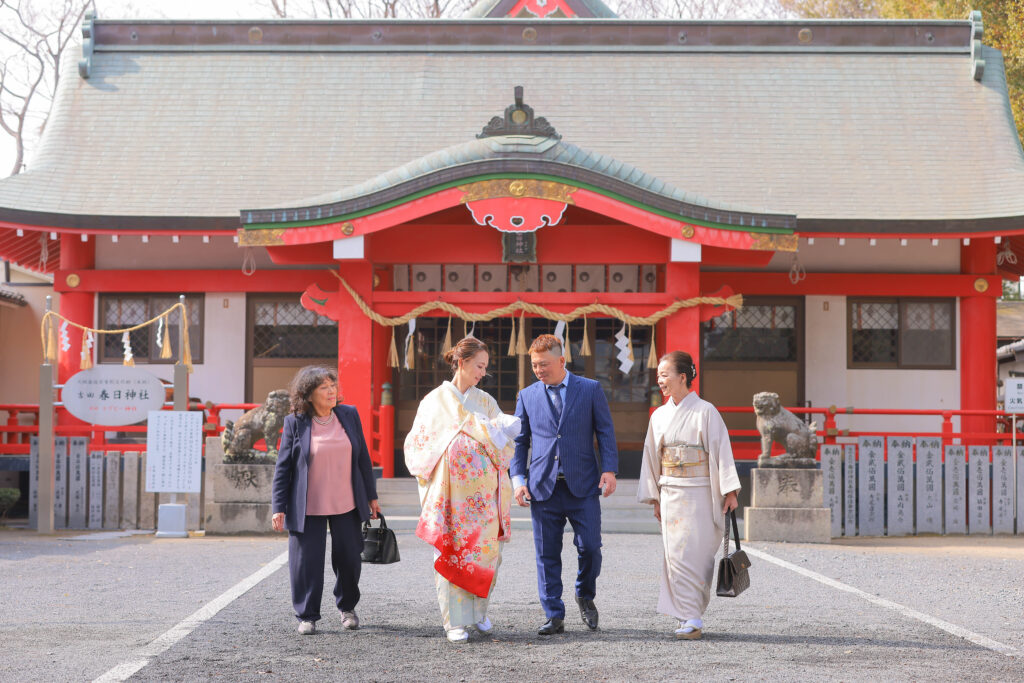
212,426
830,425
386,432
947,428
12,421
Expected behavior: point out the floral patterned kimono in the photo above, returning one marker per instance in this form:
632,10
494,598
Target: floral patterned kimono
459,449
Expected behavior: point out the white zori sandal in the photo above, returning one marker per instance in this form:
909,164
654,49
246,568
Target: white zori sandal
689,630
458,635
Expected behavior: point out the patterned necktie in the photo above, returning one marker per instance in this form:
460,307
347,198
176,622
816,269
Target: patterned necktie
556,399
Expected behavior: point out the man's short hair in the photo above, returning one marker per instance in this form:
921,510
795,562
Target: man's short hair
547,342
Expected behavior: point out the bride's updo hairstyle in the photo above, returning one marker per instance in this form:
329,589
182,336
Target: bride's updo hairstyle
467,347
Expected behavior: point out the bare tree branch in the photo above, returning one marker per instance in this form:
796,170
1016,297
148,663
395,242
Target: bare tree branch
34,36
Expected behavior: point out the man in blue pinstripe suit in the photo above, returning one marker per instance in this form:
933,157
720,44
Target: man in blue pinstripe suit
563,476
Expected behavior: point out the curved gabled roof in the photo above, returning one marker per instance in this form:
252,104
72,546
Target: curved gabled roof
494,9
511,155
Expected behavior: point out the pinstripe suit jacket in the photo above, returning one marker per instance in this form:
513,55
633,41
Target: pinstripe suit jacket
569,440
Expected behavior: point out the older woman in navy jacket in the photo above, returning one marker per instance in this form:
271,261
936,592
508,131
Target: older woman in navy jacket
323,477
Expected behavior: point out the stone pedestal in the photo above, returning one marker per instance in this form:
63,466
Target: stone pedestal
238,496
171,521
787,505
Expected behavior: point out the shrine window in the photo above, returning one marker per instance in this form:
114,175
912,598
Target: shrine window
429,369
632,386
901,333
505,376
127,310
528,277
758,332
281,328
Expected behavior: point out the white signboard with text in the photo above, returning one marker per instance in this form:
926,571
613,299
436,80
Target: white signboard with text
1013,399
174,451
113,395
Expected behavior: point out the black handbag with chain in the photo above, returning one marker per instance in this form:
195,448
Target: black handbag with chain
379,543
733,577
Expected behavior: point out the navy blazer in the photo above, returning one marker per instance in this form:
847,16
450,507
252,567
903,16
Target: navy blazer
292,471
571,439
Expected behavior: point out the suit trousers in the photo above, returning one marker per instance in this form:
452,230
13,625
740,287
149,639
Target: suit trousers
549,517
306,552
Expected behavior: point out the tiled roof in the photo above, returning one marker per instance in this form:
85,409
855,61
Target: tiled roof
837,132
541,155
9,298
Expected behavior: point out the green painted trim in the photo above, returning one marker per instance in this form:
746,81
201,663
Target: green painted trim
318,302
499,176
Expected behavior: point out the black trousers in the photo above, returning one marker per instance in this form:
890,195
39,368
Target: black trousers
306,552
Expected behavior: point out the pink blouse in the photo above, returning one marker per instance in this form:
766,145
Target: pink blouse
329,488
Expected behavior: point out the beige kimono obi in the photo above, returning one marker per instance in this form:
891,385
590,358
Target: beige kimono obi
684,460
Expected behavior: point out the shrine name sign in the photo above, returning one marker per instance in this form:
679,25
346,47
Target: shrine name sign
112,395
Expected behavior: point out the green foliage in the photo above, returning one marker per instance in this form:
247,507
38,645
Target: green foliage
8,497
1011,290
1003,21
831,9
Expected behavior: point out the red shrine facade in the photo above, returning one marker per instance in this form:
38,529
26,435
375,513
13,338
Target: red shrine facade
642,166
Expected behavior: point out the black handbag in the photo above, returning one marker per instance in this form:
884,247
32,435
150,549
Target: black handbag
733,577
379,543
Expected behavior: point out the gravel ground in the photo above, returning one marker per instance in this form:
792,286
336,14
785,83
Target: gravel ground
83,607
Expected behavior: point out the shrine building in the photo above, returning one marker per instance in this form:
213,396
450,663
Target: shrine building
860,184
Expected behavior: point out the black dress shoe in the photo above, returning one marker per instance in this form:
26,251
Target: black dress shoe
588,610
551,626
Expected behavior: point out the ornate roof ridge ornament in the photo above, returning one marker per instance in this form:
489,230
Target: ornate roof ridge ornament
519,120
88,43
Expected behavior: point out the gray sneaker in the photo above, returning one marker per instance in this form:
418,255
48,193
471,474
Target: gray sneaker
350,621
307,628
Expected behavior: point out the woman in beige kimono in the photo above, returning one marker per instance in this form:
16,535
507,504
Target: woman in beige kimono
688,474
459,449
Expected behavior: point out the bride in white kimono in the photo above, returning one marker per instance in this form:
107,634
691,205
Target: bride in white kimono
688,474
459,448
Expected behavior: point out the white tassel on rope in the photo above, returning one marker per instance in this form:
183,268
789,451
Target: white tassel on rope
622,344
44,251
126,341
408,342
560,333
248,262
65,340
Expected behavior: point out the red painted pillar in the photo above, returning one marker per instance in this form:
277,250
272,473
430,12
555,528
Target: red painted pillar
78,307
355,343
682,330
381,376
978,339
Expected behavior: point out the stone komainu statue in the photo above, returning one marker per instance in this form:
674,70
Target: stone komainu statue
264,423
777,425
